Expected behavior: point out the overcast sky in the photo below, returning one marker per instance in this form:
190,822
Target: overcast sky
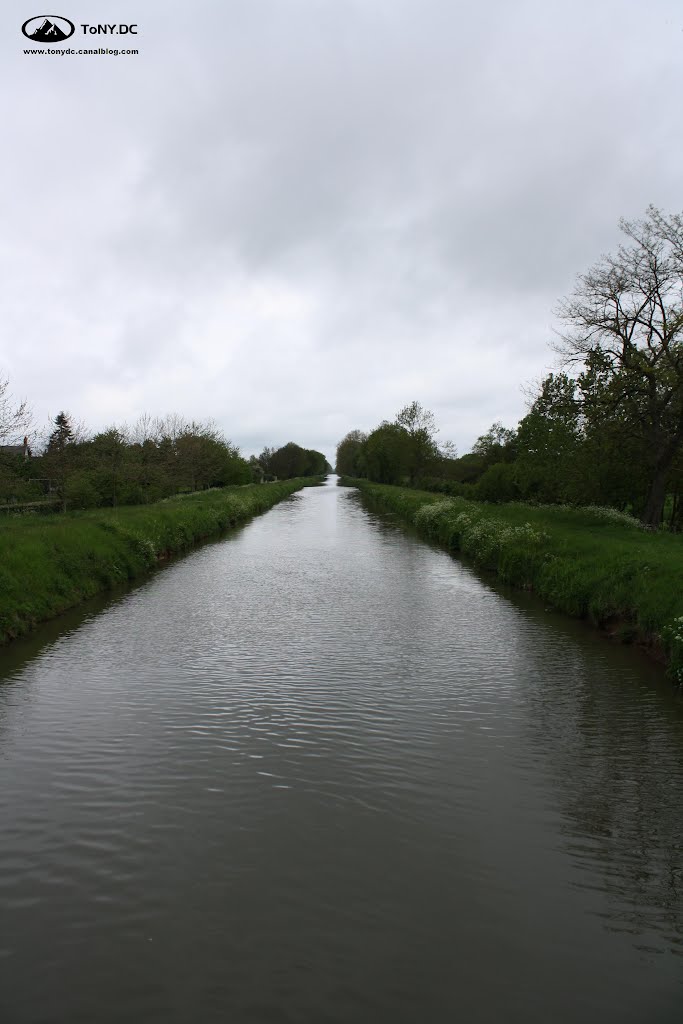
296,216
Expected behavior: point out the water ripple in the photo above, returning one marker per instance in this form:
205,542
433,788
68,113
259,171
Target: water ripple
320,771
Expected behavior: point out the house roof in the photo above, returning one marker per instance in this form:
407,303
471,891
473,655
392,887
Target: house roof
12,449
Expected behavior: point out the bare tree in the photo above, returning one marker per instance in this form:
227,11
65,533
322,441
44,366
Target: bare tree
15,417
144,429
624,322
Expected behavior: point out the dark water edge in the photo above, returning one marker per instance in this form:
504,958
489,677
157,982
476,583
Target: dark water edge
322,771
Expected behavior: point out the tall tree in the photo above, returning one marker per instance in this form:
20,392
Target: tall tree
624,321
350,460
547,441
59,458
389,454
420,425
108,451
496,445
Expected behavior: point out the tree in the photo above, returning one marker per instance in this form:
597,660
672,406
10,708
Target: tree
265,460
498,483
60,452
547,441
496,445
108,451
388,453
15,419
420,425
350,461
291,460
624,321
416,419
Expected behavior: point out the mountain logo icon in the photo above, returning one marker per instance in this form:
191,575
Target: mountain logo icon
48,28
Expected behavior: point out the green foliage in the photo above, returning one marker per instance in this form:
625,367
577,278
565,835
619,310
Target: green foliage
80,492
119,466
293,461
402,451
387,453
498,444
350,454
547,441
498,483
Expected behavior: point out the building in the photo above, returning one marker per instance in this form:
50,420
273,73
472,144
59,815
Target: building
22,450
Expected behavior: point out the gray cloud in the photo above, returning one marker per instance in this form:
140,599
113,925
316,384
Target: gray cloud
296,216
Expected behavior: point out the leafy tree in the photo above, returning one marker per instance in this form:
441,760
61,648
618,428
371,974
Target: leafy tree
265,460
316,463
350,454
498,483
60,455
496,445
547,441
420,426
80,491
107,455
388,453
291,460
417,420
256,469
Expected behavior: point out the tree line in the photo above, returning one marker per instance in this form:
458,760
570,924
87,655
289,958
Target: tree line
606,428
122,465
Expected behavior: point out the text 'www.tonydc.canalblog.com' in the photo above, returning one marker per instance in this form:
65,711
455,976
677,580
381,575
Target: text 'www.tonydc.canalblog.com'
69,52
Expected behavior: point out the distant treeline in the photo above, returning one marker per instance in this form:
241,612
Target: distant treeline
556,455
122,465
608,430
292,461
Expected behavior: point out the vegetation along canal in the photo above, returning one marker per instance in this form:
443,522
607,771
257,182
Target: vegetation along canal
319,771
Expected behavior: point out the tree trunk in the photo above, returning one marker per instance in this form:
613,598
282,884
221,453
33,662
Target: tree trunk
654,506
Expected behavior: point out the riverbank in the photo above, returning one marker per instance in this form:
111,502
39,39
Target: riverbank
595,564
50,564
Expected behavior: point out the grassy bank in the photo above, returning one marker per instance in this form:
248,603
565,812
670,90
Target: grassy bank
49,564
590,563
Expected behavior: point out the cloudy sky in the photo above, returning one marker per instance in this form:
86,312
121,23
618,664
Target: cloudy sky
296,216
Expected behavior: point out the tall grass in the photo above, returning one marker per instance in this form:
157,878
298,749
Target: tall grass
592,563
49,564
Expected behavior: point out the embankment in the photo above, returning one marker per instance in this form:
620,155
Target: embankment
52,563
591,563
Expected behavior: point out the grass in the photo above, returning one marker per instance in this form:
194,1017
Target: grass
49,564
591,563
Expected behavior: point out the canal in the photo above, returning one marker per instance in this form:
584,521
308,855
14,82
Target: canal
319,771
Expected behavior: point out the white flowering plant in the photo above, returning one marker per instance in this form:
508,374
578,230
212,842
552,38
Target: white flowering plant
673,636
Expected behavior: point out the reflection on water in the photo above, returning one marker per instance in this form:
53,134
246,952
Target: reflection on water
321,772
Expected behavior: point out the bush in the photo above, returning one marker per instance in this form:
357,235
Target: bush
498,483
80,492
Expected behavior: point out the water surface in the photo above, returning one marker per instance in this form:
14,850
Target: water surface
321,772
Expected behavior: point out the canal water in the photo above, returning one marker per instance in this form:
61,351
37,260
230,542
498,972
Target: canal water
321,772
